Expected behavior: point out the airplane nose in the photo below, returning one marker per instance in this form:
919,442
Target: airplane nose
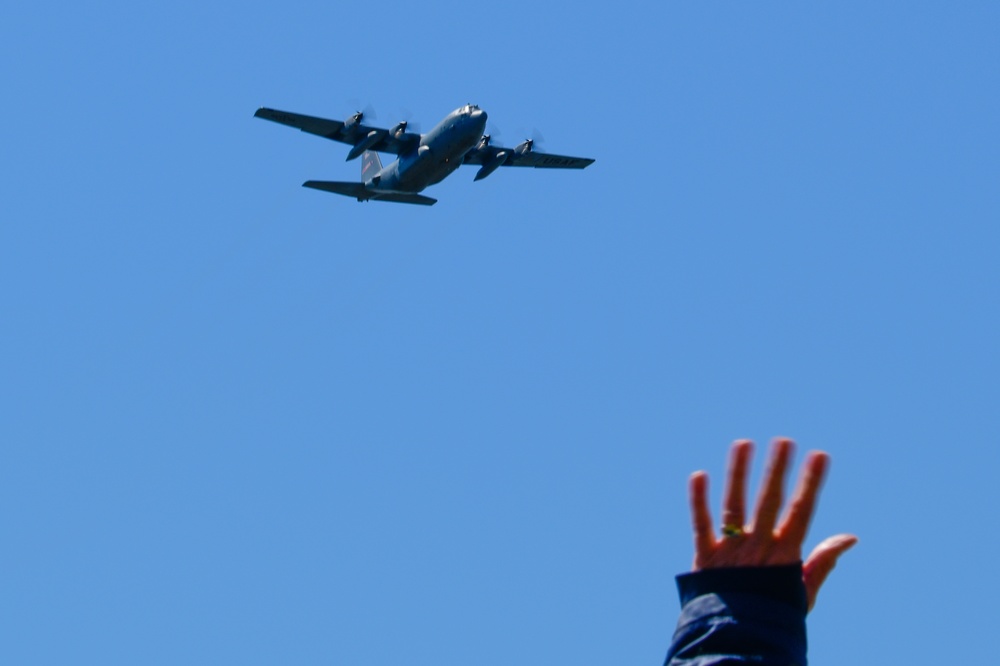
479,115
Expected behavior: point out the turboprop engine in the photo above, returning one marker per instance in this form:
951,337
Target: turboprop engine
492,165
364,144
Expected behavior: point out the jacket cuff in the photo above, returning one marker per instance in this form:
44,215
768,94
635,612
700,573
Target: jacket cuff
781,583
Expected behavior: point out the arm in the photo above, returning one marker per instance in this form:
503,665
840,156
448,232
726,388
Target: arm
747,595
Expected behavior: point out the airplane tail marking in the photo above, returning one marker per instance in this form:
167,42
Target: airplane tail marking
370,165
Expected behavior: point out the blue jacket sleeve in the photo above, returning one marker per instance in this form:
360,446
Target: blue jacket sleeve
741,615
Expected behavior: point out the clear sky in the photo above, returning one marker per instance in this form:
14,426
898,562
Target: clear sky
245,422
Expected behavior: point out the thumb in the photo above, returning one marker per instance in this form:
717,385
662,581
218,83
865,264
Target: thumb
821,562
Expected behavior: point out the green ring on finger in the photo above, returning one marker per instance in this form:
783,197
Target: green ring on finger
729,531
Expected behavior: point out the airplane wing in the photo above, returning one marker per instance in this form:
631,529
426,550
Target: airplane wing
336,130
550,161
485,155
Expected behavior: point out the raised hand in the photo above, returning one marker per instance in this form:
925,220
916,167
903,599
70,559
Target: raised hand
765,540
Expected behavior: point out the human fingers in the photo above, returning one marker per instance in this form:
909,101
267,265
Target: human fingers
795,523
821,562
701,518
734,499
769,499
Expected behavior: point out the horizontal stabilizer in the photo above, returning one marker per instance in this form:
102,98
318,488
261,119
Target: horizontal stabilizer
356,190
361,193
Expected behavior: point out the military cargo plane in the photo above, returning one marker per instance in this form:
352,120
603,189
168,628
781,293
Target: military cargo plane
424,159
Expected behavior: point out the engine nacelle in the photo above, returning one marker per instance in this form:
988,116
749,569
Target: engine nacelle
361,146
492,165
351,123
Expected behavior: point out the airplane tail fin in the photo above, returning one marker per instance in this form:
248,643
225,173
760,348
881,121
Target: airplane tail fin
370,165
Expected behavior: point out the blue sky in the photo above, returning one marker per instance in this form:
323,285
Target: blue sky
246,422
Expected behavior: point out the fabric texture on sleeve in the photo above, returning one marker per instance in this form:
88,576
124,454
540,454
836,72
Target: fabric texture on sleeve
741,615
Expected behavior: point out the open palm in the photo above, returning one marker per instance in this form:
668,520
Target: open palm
765,540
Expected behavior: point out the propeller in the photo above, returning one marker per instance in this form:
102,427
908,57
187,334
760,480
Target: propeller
354,120
402,128
535,140
366,111
492,136
359,114
405,126
407,121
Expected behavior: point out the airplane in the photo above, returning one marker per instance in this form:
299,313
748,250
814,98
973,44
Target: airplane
424,159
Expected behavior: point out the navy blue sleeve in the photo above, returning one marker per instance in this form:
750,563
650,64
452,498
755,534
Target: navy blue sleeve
741,615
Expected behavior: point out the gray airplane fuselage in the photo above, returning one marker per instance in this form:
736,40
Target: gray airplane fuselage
438,154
